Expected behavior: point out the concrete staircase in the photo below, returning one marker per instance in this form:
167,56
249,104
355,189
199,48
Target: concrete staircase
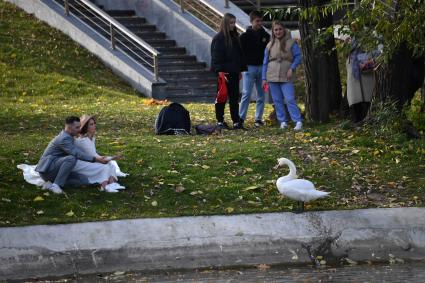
188,80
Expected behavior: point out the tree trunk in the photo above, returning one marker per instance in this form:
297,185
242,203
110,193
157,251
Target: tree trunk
323,84
400,78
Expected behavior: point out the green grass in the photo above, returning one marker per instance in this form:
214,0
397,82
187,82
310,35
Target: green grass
44,77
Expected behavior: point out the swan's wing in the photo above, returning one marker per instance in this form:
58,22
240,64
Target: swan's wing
300,190
300,184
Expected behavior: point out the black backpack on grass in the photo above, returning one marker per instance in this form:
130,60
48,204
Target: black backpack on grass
173,119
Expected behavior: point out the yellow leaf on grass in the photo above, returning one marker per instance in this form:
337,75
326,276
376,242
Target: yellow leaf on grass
38,198
251,188
154,203
230,209
70,213
249,169
40,212
205,167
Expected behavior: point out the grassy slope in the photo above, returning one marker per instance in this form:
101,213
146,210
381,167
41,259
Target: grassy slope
44,76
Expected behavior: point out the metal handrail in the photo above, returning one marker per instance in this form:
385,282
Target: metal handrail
213,9
117,28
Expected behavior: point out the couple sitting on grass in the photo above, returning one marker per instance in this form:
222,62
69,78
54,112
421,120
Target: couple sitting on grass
71,159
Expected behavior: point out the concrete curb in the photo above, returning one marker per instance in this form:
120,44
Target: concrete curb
194,242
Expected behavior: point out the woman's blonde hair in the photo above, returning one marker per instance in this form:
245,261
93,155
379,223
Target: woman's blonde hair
282,43
225,28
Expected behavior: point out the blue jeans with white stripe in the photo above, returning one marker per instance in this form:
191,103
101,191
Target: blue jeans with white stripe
285,93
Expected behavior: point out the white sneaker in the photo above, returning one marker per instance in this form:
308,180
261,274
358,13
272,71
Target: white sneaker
116,186
56,189
298,126
283,125
47,185
110,189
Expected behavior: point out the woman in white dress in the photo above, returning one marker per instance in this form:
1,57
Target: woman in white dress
96,173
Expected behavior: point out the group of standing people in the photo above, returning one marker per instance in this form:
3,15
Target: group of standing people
268,62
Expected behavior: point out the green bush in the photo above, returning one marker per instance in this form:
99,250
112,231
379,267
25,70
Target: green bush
416,112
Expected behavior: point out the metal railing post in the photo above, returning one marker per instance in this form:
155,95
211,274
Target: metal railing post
112,30
182,6
155,67
66,6
226,4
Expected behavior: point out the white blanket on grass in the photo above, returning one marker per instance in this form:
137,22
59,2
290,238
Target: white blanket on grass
33,177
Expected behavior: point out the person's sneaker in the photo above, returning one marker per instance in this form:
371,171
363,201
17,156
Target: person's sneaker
47,185
223,125
109,189
237,126
116,186
283,125
259,123
55,189
298,126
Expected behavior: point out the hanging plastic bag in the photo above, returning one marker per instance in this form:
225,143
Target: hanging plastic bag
222,88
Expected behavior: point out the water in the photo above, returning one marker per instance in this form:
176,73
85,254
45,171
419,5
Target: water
408,272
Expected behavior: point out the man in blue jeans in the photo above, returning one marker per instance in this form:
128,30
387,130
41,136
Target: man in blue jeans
253,43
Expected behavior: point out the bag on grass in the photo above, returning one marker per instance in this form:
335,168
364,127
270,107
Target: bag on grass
207,129
173,119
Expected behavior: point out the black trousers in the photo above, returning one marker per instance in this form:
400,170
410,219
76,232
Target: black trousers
358,111
233,96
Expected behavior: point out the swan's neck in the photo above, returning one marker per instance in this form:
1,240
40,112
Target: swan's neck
292,170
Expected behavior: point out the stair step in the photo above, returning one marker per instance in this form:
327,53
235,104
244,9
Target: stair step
160,42
177,57
195,71
135,28
181,92
120,13
127,21
150,34
182,64
191,84
171,50
130,21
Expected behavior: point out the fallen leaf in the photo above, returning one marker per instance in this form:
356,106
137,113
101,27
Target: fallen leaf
230,209
205,167
40,212
251,188
179,189
38,198
70,213
351,262
154,203
263,267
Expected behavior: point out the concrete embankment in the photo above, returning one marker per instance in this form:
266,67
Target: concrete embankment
196,242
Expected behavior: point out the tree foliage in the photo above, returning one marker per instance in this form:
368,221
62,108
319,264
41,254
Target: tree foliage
389,23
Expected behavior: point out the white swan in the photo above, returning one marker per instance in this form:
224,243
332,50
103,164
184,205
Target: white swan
297,189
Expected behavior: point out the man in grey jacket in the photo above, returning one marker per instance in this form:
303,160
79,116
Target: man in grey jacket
60,157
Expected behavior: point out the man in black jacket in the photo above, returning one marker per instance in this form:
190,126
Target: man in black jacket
253,43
